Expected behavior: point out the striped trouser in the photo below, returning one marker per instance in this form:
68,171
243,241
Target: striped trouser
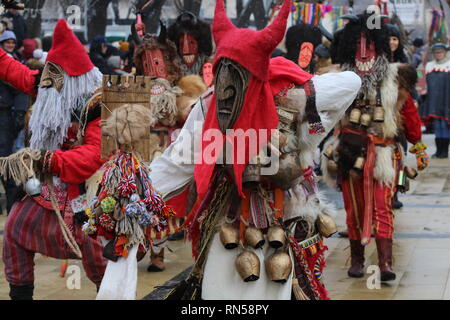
382,216
31,228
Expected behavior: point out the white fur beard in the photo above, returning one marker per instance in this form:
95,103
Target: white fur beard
52,111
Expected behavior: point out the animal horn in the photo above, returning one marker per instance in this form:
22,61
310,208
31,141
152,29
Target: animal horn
351,17
162,33
178,5
325,32
221,23
135,36
277,28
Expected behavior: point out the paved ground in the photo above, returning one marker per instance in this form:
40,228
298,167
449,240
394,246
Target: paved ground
421,251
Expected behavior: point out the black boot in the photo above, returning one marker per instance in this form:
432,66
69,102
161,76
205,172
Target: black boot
438,153
356,270
396,204
384,249
21,292
444,152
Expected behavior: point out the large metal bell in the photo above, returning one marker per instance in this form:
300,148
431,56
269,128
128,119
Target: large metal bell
254,237
276,237
248,266
279,267
229,236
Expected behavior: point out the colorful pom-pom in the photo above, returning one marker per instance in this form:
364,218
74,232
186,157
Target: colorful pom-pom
108,204
107,222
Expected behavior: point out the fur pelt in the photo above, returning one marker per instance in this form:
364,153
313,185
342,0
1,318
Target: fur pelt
329,177
384,171
193,87
389,95
169,50
298,205
188,23
128,124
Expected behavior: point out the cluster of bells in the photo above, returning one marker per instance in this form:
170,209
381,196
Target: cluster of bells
278,265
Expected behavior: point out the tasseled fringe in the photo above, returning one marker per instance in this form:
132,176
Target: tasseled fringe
19,165
52,111
298,292
132,230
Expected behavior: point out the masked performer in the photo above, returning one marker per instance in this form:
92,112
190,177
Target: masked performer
171,101
65,125
301,42
364,155
192,37
437,103
246,219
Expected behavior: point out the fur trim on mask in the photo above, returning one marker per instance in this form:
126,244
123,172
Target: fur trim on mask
187,23
163,106
328,177
297,35
343,47
371,79
169,50
298,206
384,169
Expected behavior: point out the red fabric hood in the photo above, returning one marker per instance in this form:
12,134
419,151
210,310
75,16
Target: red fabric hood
68,52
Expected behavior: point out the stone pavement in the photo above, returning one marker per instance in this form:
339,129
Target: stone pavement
421,251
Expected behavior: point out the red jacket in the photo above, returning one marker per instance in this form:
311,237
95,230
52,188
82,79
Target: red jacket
411,121
16,74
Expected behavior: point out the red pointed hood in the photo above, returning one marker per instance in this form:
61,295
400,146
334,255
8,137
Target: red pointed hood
68,52
250,48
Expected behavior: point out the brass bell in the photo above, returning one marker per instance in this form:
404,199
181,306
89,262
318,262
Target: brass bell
359,164
327,226
279,267
248,266
366,119
355,116
254,237
378,114
402,184
332,166
411,173
229,236
276,237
